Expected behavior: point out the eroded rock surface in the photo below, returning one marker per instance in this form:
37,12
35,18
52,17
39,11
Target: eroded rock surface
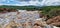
54,21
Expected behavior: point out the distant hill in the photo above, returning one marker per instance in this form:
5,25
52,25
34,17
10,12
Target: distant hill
21,7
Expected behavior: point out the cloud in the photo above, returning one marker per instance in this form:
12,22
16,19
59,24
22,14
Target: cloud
52,2
23,0
30,2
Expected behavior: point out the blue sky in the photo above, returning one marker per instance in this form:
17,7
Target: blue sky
30,2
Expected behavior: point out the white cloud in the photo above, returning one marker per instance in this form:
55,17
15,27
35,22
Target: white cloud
34,2
52,2
31,2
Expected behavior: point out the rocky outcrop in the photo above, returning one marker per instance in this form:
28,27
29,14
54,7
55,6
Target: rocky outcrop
54,21
4,10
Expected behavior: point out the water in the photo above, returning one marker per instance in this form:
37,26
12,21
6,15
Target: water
26,16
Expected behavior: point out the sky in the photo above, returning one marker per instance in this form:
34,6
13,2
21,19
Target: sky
30,2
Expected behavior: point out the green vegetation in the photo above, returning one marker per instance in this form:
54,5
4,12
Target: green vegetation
21,7
51,11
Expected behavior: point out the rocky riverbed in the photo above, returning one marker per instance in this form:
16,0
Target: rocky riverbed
23,19
18,17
